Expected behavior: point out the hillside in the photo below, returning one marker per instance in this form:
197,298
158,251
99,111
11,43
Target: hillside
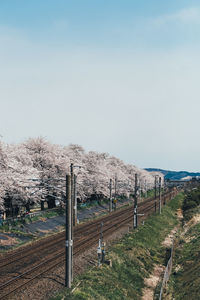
184,282
173,175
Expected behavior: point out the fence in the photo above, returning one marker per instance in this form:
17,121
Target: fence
167,272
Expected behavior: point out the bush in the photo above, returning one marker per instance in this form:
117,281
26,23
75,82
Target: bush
189,204
192,200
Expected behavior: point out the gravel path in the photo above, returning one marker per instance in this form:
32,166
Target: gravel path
54,224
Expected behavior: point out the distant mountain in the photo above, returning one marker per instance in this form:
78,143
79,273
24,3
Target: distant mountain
173,175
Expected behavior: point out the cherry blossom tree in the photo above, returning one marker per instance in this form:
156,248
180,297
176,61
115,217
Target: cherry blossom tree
16,168
51,163
35,171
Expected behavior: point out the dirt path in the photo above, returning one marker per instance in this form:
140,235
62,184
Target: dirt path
152,281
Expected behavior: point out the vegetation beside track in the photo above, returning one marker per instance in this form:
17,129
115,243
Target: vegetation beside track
133,259
18,230
191,204
184,282
10,224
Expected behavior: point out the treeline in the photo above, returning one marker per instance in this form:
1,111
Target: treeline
35,170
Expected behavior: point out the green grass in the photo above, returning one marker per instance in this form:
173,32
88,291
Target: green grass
133,259
191,203
15,225
185,283
17,228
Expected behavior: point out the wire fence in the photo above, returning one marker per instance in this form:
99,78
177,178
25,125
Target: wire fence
167,273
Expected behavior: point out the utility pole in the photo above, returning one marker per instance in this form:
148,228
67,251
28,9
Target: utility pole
102,245
72,207
72,185
75,202
101,232
115,185
74,193
155,191
138,190
68,232
135,203
110,188
115,192
164,188
145,184
160,202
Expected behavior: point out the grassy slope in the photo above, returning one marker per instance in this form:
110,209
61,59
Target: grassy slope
133,260
185,284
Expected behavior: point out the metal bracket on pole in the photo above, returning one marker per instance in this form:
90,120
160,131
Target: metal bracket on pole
69,243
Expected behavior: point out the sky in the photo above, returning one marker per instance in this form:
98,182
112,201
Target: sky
116,76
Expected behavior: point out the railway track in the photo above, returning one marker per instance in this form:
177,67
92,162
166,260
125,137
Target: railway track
21,267
55,241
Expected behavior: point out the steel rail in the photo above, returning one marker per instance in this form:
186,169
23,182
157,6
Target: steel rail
87,242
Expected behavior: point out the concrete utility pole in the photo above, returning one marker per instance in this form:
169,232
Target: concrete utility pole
135,221
164,191
72,185
102,243
140,191
115,192
75,202
160,202
115,186
74,192
145,184
110,188
155,193
72,208
69,240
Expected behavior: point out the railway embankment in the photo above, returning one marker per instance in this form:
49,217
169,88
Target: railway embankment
140,255
184,282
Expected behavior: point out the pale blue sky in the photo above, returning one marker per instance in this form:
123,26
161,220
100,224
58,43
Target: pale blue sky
114,76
